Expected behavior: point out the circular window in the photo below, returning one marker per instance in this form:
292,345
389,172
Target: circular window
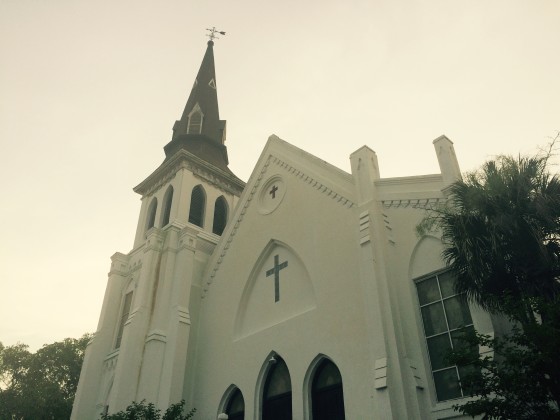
271,194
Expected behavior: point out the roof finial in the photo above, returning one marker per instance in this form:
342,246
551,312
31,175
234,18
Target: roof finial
213,32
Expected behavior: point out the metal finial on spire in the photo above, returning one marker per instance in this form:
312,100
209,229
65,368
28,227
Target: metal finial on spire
213,32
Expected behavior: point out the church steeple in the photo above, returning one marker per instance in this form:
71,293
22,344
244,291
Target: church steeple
200,130
201,114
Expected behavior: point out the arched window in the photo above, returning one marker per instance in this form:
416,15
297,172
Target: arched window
327,399
277,392
167,200
198,203
235,408
220,215
151,220
195,121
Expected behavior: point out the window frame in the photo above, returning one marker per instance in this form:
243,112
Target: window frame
194,126
448,331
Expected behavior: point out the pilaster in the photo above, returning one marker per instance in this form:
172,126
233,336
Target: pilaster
448,164
387,387
179,321
140,236
131,352
88,392
184,198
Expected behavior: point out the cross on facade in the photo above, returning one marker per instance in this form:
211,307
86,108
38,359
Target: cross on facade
272,192
276,271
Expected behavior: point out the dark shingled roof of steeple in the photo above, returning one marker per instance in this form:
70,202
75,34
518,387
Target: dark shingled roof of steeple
208,145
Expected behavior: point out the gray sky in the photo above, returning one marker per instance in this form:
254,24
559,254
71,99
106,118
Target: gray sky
89,92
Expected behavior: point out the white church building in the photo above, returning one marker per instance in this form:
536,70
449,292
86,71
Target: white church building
304,293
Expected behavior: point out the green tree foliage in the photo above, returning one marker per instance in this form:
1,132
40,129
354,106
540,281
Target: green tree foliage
501,228
148,411
501,232
511,383
40,385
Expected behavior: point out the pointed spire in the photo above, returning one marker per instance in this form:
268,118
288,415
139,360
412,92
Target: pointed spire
200,130
201,114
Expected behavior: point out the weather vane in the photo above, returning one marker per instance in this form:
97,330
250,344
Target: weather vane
213,32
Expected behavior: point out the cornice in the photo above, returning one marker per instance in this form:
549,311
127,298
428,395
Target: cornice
119,264
415,179
344,201
417,203
183,159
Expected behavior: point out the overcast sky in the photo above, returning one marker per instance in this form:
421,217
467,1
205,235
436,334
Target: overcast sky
89,92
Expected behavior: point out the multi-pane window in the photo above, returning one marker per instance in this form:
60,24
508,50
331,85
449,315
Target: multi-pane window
446,318
124,316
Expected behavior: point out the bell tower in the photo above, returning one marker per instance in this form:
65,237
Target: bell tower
195,157
141,345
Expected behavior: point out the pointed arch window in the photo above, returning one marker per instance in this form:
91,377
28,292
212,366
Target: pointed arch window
327,399
195,120
235,408
277,392
151,219
167,200
198,203
220,215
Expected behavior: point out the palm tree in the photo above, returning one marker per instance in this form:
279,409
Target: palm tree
501,230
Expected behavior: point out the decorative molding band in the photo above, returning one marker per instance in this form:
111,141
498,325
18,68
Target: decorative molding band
119,264
420,203
187,242
314,183
185,160
111,360
166,176
157,335
154,240
220,182
137,265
